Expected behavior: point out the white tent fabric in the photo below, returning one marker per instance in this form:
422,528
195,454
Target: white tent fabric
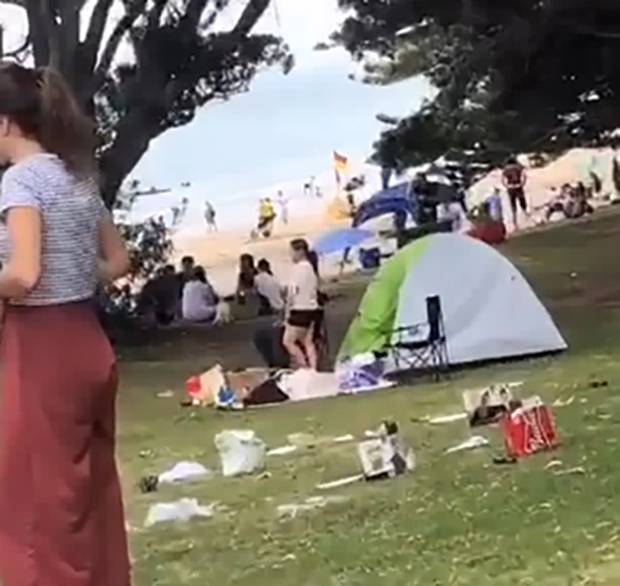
490,311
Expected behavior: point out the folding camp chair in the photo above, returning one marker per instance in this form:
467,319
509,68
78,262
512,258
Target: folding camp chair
428,353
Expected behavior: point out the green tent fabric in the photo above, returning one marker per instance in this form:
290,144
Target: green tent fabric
371,329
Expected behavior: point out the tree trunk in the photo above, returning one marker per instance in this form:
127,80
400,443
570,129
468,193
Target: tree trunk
133,138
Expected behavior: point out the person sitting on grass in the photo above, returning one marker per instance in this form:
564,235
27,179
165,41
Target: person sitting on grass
269,290
199,299
245,280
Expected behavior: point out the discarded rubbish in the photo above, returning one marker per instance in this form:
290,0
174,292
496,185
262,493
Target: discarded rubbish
385,456
446,418
343,439
554,464
473,443
308,440
598,384
165,395
578,471
340,483
564,402
489,405
310,504
184,472
282,451
362,373
241,452
529,429
179,511
503,460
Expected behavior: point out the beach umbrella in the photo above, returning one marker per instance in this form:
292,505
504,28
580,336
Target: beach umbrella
339,240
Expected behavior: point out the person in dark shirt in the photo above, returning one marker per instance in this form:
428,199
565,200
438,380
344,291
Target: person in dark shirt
514,179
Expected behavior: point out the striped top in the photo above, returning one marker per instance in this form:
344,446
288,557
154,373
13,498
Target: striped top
71,208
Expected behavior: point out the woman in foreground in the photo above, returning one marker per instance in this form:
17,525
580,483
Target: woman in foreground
61,514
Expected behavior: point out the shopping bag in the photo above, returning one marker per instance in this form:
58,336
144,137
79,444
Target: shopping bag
529,430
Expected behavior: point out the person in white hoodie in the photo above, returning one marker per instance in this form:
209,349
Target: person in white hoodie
199,299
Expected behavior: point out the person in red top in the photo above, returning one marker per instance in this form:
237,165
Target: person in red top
514,179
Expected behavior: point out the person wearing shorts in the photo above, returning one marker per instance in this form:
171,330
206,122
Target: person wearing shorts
514,179
304,312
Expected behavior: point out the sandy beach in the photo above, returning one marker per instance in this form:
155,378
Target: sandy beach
219,251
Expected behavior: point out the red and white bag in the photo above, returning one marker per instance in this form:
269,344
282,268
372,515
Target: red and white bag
530,429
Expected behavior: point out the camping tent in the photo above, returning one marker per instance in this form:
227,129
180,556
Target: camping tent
490,312
394,200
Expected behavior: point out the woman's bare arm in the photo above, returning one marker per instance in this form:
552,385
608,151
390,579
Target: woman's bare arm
114,258
21,273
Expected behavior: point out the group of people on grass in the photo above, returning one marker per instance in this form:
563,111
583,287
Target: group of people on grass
186,294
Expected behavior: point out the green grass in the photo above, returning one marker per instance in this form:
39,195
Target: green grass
458,519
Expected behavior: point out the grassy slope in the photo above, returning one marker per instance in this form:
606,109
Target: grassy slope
457,520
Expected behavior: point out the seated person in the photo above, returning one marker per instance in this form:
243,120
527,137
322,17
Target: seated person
159,297
245,280
452,212
269,290
199,299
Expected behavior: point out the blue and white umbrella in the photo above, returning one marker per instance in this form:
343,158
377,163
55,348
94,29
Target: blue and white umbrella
341,239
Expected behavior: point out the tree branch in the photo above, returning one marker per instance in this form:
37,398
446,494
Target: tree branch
109,52
96,28
251,14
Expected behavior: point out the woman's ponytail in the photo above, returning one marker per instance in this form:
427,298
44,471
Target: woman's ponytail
63,128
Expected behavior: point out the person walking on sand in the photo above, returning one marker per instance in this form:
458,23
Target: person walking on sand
61,512
283,202
210,217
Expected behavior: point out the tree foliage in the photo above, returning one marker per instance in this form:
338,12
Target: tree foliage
142,67
519,75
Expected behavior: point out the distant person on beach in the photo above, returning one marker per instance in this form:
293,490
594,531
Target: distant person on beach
266,217
283,202
303,310
269,289
176,216
210,217
199,298
318,193
514,179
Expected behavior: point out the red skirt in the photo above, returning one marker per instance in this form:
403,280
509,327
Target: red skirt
61,512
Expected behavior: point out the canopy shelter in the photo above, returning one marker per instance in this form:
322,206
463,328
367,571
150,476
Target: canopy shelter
490,311
397,200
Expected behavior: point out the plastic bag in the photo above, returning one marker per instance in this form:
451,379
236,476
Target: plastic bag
181,511
241,452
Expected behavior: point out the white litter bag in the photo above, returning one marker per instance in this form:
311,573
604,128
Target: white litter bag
184,472
241,452
180,511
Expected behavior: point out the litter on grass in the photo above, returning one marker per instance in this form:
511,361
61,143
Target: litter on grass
184,472
241,452
341,482
180,511
564,402
386,456
311,504
473,443
441,419
282,451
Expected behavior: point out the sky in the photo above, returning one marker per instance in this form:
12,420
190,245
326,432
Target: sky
286,127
